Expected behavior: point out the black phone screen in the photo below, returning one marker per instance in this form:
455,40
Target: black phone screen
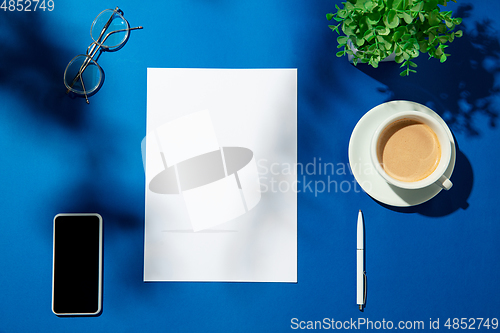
77,266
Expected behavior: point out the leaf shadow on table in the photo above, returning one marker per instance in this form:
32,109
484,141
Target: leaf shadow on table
32,70
99,190
31,75
463,89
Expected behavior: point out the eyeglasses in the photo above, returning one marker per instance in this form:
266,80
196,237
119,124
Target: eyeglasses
109,32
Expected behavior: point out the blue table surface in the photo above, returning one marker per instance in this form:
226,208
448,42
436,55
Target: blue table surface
431,262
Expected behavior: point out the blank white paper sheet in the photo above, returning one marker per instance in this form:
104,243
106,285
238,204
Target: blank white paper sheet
221,194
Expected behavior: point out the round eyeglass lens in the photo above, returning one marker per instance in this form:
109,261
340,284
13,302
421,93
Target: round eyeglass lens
89,79
109,29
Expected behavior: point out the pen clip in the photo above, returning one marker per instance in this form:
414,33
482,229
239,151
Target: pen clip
364,297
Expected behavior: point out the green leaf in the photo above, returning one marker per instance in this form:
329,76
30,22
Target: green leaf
342,13
373,62
433,18
387,43
397,36
407,17
396,4
406,37
423,45
334,28
340,53
373,18
418,7
329,16
458,33
369,5
360,41
391,20
442,39
347,30
399,59
363,24
447,13
350,22
403,29
383,31
442,28
430,5
342,40
414,42
348,5
443,58
406,72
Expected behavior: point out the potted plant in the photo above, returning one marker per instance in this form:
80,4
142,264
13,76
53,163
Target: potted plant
376,29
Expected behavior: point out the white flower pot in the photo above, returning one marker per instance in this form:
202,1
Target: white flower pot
350,57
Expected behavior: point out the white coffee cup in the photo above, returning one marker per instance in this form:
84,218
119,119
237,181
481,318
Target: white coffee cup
437,176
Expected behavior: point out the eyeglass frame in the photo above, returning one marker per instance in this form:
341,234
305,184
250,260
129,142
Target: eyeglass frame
95,47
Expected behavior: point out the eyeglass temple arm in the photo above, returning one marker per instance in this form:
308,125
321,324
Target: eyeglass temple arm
92,53
94,49
106,26
121,30
84,90
79,75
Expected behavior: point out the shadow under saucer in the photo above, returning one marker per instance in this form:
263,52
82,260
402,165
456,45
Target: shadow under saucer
446,202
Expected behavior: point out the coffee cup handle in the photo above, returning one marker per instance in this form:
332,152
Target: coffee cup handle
445,183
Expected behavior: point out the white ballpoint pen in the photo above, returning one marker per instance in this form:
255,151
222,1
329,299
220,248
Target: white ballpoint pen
360,272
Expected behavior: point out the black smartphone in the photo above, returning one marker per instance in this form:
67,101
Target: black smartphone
77,265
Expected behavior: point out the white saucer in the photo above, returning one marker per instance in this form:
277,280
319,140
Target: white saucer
364,171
